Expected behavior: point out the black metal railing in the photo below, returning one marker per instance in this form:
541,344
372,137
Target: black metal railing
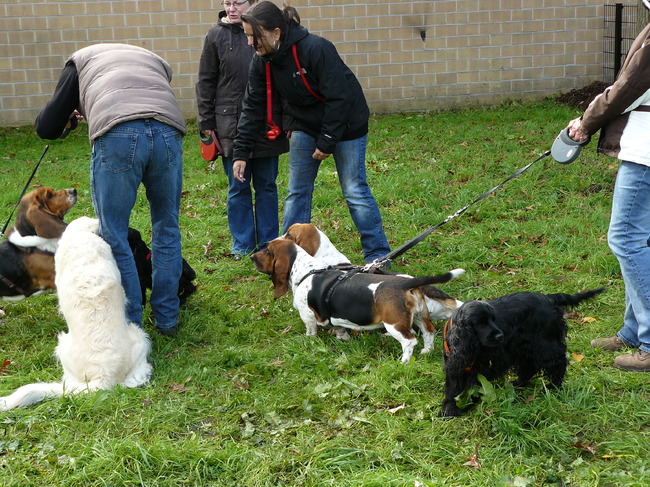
620,30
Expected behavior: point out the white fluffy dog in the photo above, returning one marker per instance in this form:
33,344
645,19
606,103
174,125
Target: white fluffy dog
101,349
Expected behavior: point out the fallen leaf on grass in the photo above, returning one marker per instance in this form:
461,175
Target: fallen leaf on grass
207,248
4,366
287,330
241,385
171,354
180,388
395,409
577,357
473,460
586,446
589,319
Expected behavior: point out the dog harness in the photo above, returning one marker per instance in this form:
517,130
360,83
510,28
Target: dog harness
445,343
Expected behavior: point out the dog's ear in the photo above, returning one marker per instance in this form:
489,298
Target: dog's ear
306,236
283,254
45,224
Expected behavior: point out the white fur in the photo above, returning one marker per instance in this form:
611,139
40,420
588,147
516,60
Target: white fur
327,253
101,349
41,243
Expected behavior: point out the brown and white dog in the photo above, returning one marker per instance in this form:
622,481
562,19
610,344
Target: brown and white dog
101,349
27,254
351,300
441,306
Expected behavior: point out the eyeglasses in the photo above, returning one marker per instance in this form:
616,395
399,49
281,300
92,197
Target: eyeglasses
227,5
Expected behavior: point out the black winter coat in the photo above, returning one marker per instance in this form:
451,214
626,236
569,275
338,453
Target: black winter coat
223,74
343,115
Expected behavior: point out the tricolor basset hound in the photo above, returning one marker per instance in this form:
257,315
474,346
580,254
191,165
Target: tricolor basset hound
353,300
317,244
27,254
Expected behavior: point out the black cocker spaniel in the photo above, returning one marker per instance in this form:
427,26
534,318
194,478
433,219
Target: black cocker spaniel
522,332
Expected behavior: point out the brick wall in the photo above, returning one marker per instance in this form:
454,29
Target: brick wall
473,52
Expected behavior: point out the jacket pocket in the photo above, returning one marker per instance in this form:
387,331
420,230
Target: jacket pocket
226,117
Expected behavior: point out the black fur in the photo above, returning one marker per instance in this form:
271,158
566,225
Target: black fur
522,332
142,256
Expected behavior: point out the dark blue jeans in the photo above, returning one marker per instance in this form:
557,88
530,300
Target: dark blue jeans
253,222
149,152
350,159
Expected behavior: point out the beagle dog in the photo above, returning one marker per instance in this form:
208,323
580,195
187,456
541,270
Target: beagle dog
353,300
441,306
27,254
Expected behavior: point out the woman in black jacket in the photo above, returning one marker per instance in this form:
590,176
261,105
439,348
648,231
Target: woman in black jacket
324,109
223,74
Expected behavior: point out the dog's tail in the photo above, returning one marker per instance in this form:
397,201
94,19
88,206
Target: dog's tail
31,394
573,299
413,282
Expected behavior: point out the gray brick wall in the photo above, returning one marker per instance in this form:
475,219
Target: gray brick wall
474,52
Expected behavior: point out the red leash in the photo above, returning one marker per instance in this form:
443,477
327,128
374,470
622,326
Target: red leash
302,75
274,130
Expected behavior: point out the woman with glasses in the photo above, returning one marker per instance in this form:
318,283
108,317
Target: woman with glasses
325,110
223,74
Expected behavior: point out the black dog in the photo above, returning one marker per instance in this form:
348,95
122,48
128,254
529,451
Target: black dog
142,256
522,332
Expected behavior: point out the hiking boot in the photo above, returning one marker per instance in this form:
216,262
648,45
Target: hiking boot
611,344
638,361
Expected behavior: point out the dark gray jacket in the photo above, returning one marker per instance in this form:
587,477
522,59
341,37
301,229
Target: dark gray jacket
223,74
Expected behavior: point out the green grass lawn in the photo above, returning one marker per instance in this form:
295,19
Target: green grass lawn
241,397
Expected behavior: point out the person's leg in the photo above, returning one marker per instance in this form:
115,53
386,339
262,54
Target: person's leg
264,175
241,221
163,180
350,157
303,169
628,236
118,158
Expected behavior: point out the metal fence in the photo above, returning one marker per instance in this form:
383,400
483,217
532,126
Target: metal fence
620,30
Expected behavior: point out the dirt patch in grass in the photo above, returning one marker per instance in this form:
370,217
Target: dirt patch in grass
580,98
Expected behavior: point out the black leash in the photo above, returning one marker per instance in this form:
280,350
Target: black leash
2,233
377,263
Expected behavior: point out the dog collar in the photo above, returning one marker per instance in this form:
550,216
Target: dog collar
445,344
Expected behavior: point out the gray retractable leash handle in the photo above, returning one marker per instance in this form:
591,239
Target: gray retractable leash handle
565,150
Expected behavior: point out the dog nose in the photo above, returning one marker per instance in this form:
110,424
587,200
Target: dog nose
72,192
497,336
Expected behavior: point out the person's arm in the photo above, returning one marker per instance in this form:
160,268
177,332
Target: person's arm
56,115
627,92
251,122
206,86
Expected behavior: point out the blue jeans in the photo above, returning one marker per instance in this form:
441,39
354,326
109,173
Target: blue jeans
253,225
628,237
350,159
149,152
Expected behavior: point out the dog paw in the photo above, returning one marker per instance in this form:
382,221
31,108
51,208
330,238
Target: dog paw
450,411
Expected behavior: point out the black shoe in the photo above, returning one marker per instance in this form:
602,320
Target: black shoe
169,331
